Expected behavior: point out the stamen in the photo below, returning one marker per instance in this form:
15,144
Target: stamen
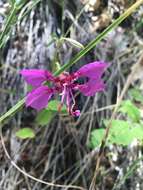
64,93
60,107
74,112
68,101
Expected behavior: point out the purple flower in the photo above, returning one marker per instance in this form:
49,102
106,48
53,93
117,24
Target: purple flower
39,97
36,77
46,85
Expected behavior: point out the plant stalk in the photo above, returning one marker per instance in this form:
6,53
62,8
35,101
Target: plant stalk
8,24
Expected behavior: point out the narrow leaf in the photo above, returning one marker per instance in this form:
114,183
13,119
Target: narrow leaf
73,42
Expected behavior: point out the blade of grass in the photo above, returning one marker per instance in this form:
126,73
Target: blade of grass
7,25
13,110
13,14
33,4
90,46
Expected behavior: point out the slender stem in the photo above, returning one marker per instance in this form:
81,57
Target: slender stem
10,18
7,25
90,46
35,2
13,110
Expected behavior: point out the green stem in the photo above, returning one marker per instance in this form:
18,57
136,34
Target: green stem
90,46
16,7
7,25
12,111
35,2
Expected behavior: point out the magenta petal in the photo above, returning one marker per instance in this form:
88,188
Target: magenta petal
76,113
36,77
92,70
39,97
91,87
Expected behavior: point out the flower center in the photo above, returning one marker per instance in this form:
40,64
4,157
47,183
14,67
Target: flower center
64,84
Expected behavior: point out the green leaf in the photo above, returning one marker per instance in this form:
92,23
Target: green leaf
123,133
120,133
96,137
136,95
137,132
73,42
120,125
53,106
131,110
121,137
25,133
44,117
